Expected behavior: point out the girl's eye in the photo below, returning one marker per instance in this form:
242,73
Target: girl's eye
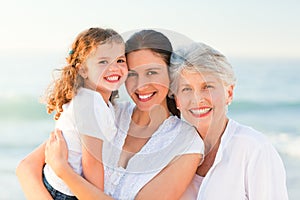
151,72
103,62
121,61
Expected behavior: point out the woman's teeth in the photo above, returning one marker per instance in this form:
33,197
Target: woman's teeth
146,96
200,111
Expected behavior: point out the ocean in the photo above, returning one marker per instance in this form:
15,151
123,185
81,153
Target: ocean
266,97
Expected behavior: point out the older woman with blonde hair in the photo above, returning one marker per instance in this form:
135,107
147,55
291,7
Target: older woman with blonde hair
240,163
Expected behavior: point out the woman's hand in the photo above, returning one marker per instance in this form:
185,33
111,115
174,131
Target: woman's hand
56,153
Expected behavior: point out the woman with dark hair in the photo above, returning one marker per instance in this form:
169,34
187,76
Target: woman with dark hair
154,154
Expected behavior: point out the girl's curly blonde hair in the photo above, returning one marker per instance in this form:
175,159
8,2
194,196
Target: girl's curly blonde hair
65,87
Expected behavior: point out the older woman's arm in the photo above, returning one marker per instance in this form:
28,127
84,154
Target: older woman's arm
29,173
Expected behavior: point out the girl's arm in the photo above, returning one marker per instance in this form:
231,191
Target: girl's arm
29,173
56,157
92,161
172,181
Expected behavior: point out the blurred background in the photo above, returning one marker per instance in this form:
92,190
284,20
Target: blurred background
260,39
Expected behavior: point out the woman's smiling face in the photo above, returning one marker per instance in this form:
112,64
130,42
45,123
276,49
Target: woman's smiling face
148,79
202,99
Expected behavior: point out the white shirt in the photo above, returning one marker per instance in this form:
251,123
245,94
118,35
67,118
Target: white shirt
174,137
88,114
246,167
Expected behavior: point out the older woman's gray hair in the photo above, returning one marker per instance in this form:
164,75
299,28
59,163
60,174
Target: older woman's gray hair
199,57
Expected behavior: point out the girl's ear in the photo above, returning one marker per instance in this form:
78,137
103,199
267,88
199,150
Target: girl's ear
81,70
229,91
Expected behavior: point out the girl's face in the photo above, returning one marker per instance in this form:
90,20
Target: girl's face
148,79
202,99
105,69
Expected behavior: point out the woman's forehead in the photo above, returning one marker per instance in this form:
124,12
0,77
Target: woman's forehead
190,77
144,58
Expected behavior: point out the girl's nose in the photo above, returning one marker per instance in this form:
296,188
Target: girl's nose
113,67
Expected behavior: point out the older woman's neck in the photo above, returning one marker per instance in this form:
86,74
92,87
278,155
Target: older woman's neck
212,134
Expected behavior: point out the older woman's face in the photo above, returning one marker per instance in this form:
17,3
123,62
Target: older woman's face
202,98
148,80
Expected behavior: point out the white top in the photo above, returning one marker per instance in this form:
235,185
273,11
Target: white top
174,137
192,190
88,114
246,166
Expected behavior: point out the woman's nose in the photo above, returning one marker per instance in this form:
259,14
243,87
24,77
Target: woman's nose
142,83
199,96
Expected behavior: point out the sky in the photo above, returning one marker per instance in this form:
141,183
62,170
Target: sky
248,28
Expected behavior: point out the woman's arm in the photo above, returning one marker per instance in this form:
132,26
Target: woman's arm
172,181
56,157
29,173
92,166
265,174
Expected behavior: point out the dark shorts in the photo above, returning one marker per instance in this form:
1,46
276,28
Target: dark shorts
56,195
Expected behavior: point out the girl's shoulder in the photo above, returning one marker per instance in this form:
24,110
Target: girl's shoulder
84,94
124,108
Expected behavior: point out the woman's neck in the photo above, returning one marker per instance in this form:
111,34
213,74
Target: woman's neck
212,140
151,119
213,132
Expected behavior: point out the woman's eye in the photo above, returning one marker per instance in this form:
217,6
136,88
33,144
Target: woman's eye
208,86
121,61
151,72
186,89
130,74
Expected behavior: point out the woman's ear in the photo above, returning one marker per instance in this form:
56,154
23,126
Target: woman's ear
81,70
177,102
229,92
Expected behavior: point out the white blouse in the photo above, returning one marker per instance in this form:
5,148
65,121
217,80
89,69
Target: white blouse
174,137
246,166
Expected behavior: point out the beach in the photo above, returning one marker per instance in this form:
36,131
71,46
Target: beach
266,97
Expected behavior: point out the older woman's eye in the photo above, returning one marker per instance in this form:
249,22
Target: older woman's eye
186,89
208,86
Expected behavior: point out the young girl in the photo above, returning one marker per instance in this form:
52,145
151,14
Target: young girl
81,98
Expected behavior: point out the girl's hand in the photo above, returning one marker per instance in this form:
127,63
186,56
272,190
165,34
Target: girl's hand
56,152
